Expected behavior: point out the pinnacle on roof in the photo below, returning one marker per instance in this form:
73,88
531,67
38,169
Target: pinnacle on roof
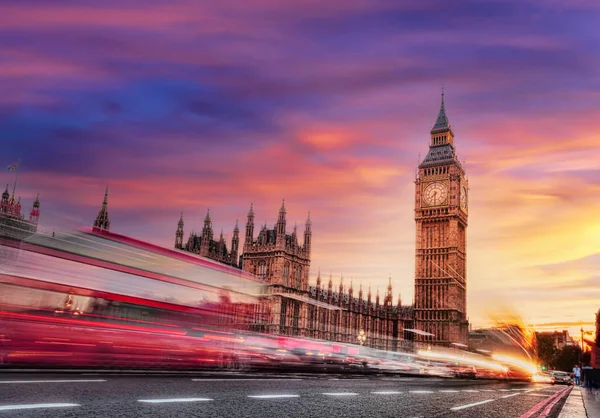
442,124
36,204
236,228
207,217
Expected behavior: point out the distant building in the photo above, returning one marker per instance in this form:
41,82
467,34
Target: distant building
561,339
13,223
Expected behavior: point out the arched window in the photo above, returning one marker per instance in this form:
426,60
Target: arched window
298,277
262,270
286,274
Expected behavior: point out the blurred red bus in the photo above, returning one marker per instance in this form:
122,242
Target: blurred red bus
82,300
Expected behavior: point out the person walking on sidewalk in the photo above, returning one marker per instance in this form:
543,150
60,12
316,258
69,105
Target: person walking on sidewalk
577,374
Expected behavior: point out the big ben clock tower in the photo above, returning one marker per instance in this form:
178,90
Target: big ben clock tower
441,213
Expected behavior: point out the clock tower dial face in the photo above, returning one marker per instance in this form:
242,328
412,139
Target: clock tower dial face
463,198
435,194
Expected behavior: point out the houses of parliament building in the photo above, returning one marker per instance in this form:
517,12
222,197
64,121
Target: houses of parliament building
338,313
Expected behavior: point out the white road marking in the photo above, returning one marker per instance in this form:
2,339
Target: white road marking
273,396
508,396
387,392
53,381
36,406
488,390
448,391
340,394
458,408
174,400
504,390
420,391
239,380
470,390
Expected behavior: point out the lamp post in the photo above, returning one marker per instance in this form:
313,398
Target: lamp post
361,337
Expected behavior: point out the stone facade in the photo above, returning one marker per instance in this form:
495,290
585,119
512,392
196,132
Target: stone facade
441,213
295,308
205,246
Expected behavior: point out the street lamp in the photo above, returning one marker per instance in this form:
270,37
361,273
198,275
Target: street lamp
361,337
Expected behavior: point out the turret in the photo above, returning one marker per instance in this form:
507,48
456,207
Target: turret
360,292
377,298
280,227
330,285
295,236
235,243
179,234
388,297
102,221
34,215
399,300
307,235
369,295
350,290
250,226
4,201
341,289
207,235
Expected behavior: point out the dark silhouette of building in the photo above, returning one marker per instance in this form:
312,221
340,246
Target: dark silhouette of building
13,223
205,246
102,221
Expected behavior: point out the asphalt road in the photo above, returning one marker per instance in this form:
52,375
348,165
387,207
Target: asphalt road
124,395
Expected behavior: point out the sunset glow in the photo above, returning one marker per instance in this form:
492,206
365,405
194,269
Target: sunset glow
181,106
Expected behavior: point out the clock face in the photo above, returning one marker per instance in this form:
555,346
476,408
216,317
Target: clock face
435,194
463,198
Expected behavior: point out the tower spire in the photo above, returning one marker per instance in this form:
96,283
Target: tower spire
179,234
442,124
102,221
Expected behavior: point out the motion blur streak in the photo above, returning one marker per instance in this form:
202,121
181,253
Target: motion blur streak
95,299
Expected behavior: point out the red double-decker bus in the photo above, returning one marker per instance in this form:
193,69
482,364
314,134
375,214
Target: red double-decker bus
96,299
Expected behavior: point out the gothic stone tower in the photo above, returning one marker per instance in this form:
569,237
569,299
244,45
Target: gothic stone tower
441,213
277,257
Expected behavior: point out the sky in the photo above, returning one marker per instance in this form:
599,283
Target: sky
181,106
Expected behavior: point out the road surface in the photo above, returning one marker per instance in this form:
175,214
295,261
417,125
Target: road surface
196,395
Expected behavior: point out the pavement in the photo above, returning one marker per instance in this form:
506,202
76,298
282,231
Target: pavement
236,395
591,400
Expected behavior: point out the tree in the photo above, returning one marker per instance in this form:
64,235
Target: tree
566,358
546,350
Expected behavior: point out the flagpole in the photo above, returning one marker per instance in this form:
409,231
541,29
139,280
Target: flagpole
16,176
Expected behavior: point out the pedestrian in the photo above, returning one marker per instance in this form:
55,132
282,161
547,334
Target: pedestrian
577,374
